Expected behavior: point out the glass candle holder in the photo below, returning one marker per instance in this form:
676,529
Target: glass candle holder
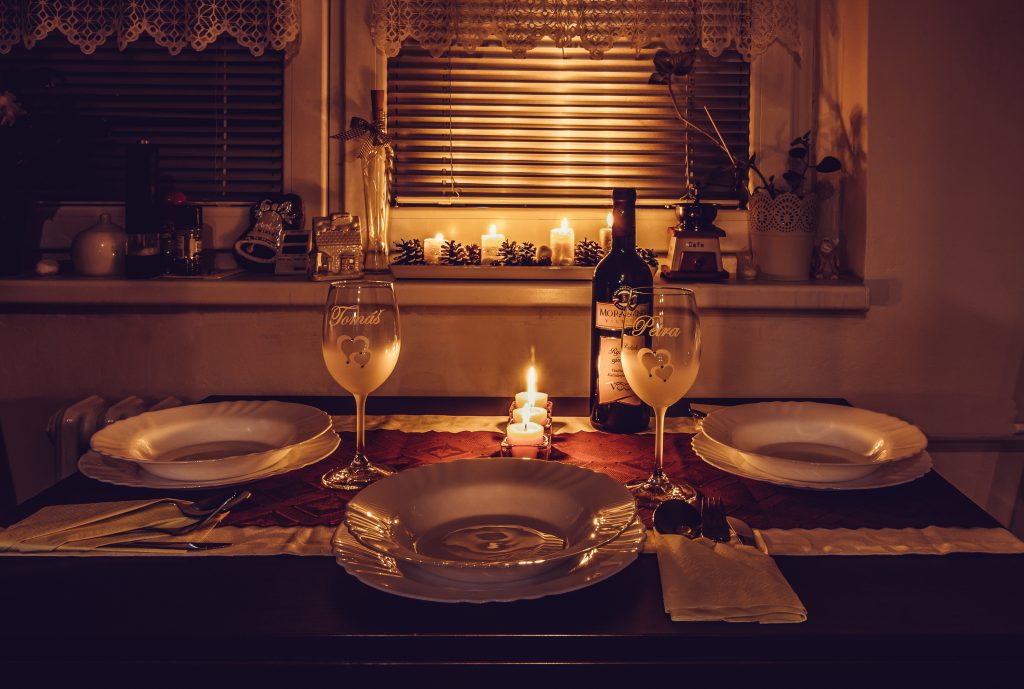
547,407
539,451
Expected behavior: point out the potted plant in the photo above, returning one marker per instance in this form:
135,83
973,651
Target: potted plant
783,216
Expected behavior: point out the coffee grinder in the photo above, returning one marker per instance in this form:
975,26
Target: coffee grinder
695,254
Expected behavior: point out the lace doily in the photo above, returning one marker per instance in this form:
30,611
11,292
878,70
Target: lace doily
173,24
749,26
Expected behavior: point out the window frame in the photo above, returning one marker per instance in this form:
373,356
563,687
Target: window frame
308,155
782,92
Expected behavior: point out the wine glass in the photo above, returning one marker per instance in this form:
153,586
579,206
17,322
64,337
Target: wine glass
360,343
660,358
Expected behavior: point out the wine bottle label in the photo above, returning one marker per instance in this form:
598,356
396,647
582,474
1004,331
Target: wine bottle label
611,380
608,316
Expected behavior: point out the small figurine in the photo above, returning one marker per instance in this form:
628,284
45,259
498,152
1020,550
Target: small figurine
826,262
273,216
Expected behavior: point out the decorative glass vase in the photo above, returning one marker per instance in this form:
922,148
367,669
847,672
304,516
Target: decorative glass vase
376,166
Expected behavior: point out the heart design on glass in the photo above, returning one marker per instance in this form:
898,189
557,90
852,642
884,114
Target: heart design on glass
664,372
361,358
651,360
351,346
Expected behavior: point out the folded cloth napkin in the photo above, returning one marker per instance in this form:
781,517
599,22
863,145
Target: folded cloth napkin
704,581
90,526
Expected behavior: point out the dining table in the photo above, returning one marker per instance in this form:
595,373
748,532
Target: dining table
261,619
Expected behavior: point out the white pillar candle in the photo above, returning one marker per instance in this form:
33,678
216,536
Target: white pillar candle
528,433
538,415
432,249
489,245
606,236
563,245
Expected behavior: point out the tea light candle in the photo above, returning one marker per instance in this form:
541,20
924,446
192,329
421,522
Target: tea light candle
526,433
606,236
523,399
432,249
538,415
489,245
563,245
531,398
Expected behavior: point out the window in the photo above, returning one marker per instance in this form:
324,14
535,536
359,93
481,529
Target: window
556,127
217,116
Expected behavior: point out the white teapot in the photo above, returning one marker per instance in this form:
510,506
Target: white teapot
98,251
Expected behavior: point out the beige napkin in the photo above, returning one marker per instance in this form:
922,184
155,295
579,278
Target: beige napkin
704,581
90,526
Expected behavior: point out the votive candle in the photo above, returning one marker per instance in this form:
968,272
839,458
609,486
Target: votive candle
489,245
432,249
605,236
536,414
563,245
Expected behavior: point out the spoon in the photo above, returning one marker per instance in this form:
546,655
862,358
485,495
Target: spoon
677,517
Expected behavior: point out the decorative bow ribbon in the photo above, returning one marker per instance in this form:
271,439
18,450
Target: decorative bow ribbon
370,135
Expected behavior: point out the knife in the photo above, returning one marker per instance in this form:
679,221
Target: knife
168,545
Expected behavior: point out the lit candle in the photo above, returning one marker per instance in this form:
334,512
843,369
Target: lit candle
563,245
489,245
531,398
432,248
536,414
606,236
525,432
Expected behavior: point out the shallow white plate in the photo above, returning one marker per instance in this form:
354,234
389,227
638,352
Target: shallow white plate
121,473
812,442
211,442
493,519
732,462
402,579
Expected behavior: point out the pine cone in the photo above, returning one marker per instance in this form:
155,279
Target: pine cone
473,254
648,256
454,254
527,254
508,254
588,253
408,253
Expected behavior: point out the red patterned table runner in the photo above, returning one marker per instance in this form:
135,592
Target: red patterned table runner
297,499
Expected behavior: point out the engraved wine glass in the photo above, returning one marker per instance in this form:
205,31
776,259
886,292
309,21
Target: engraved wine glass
361,342
660,359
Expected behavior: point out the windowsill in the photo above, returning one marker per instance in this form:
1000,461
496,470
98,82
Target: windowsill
250,290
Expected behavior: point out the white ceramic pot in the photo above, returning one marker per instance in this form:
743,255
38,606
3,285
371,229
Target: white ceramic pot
782,233
98,251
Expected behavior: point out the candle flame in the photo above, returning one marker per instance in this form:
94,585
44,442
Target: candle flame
439,237
494,230
565,224
608,220
531,387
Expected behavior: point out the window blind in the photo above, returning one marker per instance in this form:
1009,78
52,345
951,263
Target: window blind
216,115
548,129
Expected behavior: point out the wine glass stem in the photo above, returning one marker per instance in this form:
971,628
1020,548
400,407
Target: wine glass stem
360,427
659,440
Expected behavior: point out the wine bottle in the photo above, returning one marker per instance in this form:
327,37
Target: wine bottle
143,258
613,405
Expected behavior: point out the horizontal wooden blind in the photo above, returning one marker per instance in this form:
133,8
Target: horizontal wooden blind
216,115
554,130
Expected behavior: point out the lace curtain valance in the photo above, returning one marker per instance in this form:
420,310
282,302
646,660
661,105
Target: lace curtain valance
749,26
173,24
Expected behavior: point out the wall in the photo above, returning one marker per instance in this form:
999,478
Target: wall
940,346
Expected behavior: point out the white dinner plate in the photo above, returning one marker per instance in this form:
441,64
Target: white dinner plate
812,442
490,518
402,579
120,473
732,462
211,442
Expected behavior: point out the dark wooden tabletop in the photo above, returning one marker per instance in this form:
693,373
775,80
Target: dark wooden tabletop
150,621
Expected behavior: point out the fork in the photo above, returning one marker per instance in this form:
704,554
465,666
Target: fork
230,502
713,523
